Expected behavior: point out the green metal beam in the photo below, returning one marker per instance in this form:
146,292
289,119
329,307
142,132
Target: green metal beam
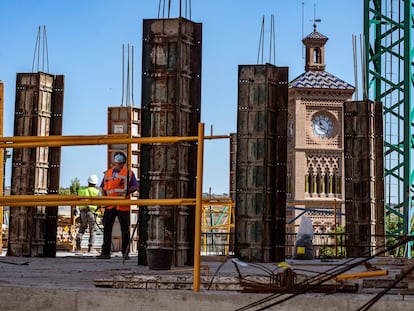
388,31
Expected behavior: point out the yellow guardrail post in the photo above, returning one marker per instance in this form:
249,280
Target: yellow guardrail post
2,164
199,204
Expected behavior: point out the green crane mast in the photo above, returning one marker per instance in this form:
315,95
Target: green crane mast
388,33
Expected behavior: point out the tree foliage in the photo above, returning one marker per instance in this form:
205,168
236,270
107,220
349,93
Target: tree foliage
74,186
336,247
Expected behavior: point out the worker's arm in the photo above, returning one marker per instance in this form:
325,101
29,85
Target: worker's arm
132,190
133,184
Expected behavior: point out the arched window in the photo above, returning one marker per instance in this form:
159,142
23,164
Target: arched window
318,181
317,56
326,183
310,181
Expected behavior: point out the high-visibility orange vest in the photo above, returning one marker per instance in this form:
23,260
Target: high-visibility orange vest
117,186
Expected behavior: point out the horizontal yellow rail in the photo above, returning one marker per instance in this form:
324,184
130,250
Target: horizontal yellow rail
52,200
217,202
316,203
225,226
56,199
56,141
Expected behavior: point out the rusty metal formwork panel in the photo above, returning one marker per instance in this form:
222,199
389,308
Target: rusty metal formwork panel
379,210
364,194
171,100
233,161
261,163
232,186
53,179
126,120
35,171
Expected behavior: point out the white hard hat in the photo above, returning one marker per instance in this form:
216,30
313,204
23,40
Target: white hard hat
93,179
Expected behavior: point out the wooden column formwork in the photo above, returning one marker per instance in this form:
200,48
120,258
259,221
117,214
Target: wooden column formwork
171,102
36,171
126,120
261,163
364,178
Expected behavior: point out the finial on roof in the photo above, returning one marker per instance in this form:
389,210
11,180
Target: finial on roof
315,20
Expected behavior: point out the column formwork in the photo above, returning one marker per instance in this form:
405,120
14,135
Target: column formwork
126,120
171,102
36,171
261,163
364,178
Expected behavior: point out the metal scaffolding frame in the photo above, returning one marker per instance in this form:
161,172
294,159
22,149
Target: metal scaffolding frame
388,31
51,200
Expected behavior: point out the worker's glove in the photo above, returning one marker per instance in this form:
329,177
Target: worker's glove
99,211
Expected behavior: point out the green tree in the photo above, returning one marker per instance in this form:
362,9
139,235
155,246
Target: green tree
338,249
74,186
64,191
394,228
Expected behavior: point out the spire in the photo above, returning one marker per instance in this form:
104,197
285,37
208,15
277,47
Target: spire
315,47
315,50
315,20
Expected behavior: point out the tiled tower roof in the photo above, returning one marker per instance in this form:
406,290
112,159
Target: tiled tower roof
319,79
316,35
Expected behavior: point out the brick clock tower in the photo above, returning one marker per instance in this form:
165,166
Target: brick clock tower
315,166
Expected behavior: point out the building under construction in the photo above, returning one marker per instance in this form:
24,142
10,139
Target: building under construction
303,147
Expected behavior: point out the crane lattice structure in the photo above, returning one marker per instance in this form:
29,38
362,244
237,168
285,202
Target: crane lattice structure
388,32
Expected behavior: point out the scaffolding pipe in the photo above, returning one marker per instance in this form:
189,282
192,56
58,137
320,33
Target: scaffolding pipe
199,202
53,200
56,199
57,141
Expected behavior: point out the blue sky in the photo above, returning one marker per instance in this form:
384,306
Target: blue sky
85,39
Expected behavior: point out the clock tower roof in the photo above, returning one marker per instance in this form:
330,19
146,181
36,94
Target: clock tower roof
315,36
321,80
315,75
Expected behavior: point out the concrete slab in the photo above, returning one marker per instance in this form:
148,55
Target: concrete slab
69,282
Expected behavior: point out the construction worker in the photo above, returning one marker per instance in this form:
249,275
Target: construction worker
118,181
87,213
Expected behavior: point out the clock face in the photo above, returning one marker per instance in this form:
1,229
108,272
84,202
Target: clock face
323,125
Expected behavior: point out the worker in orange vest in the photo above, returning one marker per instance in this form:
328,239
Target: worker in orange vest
118,181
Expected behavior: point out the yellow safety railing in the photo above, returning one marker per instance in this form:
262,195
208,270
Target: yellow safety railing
59,141
226,224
